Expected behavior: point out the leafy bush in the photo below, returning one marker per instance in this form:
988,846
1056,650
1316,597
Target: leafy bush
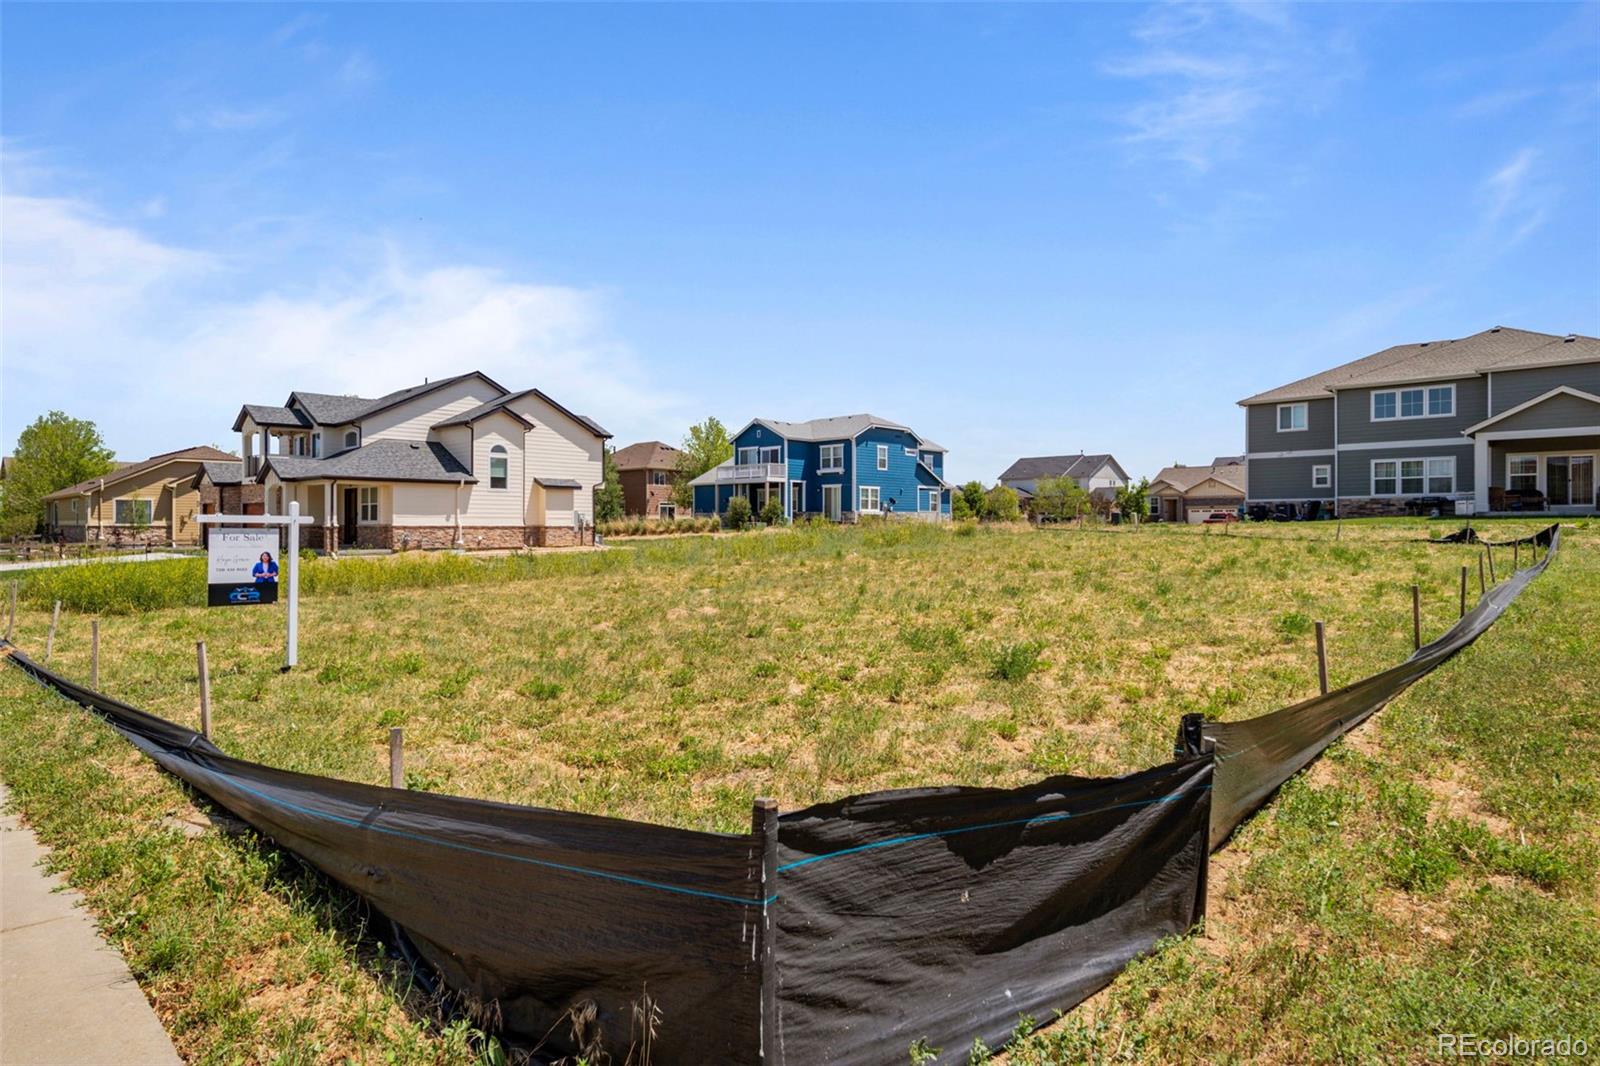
960,509
1000,505
738,515
772,512
1013,662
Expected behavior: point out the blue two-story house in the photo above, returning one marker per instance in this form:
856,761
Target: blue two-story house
839,468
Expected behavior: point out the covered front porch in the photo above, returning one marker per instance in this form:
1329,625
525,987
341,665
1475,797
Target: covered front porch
1539,457
345,515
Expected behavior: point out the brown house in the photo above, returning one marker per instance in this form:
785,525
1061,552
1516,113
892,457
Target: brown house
648,471
153,502
1194,493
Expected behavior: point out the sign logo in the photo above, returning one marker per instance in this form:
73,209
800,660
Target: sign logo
241,567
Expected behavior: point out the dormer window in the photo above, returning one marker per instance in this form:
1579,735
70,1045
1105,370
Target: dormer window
498,461
351,438
316,445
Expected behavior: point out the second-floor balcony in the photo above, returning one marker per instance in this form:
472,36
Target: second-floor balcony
743,473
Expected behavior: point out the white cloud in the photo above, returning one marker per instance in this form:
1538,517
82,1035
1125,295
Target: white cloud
232,118
1504,188
1214,73
103,321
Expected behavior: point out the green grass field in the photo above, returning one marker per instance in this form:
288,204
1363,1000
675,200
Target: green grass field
1435,872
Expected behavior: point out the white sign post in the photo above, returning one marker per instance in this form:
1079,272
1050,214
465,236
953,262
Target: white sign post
240,565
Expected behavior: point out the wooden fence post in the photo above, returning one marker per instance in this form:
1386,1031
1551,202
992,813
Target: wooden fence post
1463,592
1516,555
397,757
1416,617
764,828
205,689
50,641
94,654
1481,586
1322,658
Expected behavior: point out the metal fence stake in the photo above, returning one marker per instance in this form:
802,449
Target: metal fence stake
1416,617
764,830
1322,658
205,688
50,641
397,757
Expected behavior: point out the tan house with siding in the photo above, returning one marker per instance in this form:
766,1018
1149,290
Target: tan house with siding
1193,493
462,462
152,502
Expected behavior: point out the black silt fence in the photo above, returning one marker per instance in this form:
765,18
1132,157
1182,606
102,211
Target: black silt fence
840,933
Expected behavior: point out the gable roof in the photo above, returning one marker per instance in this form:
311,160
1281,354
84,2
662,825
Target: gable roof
646,455
219,473
500,403
202,453
837,427
1498,348
302,409
1185,478
381,460
1559,390
1034,467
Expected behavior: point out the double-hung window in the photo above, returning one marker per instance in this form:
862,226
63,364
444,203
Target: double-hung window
367,504
883,457
830,459
869,499
1522,472
1441,476
1321,475
749,456
1291,417
1385,477
498,464
772,455
1433,401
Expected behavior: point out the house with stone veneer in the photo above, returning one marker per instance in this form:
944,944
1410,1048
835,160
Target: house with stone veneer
149,502
1506,419
461,462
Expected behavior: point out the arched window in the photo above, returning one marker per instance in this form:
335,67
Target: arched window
351,437
497,466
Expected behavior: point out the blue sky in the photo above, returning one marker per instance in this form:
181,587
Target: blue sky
1020,229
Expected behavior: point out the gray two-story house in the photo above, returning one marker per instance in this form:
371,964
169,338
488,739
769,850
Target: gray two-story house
1507,419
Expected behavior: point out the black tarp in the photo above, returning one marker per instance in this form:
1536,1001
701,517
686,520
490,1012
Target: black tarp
533,911
946,913
1255,757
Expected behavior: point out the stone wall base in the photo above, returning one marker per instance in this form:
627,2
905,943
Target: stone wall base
114,535
1372,507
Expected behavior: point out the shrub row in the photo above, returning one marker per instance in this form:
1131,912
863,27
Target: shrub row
656,527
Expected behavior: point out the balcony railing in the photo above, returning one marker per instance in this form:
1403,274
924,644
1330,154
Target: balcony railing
746,472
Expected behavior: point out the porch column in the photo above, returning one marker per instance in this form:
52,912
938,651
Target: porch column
330,520
1480,474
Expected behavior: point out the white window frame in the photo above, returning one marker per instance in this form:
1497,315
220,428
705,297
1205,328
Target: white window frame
658,477
367,505
911,453
772,453
883,457
128,501
1305,417
823,453
667,512
1399,402
1322,475
1538,462
797,507
1400,477
352,438
877,500
748,456
499,453
74,508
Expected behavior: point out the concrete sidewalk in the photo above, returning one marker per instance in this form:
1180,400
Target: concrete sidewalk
43,564
65,995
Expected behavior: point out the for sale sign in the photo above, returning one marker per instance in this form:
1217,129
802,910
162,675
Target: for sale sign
241,567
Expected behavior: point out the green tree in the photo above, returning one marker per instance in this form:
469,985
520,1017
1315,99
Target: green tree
704,446
972,492
960,509
52,453
1059,499
608,505
1134,501
1000,505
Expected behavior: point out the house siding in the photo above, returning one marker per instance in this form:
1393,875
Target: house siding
1357,427
414,419
1512,387
481,504
1355,468
559,447
1558,412
899,482
1262,434
1286,479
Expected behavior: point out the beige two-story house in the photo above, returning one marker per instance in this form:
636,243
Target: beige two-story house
462,462
1503,420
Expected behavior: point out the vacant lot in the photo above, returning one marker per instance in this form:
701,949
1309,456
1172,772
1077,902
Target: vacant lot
675,681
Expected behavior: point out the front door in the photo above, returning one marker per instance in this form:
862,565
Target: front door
797,498
348,516
1569,480
832,502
